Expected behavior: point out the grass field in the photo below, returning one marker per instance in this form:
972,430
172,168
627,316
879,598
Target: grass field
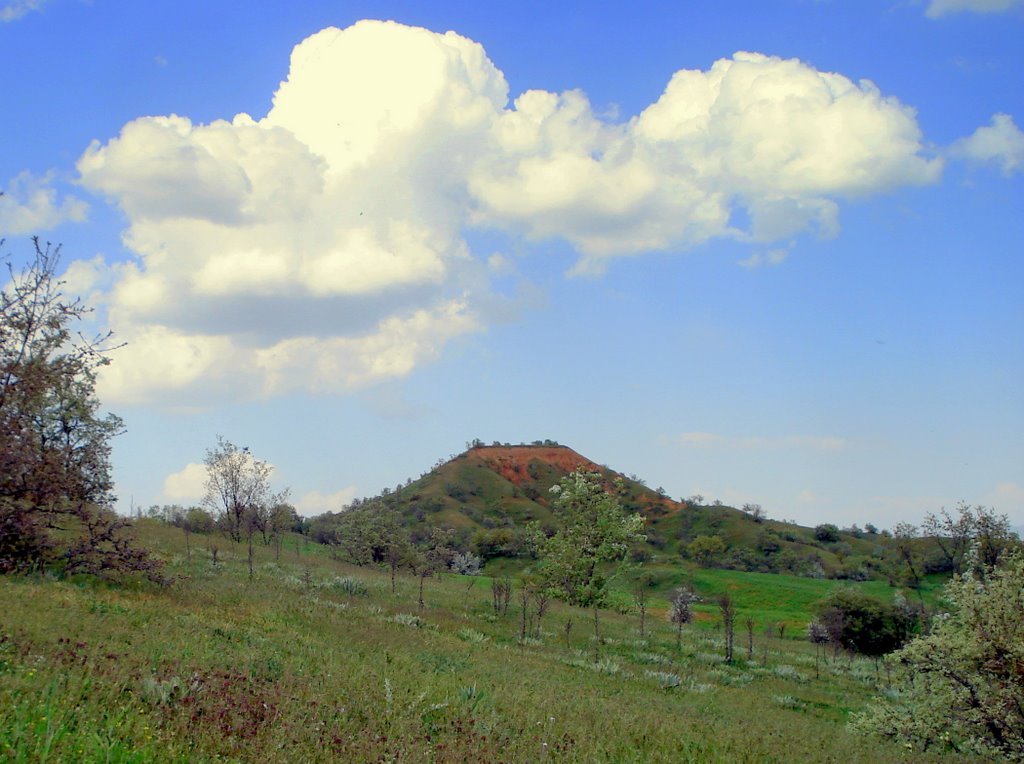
314,660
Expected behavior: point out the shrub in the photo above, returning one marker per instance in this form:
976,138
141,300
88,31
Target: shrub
826,533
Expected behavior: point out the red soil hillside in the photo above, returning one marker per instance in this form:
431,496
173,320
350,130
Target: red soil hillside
513,462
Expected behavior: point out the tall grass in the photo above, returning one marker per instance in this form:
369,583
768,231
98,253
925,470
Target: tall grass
294,667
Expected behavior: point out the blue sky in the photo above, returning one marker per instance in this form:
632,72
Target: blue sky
761,251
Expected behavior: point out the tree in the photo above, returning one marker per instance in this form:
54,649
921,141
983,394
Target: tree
955,534
641,593
908,552
818,635
579,561
864,624
55,485
728,610
430,557
283,517
755,511
237,488
961,687
680,611
706,549
826,532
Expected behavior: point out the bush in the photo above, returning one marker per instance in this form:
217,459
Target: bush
961,687
864,624
827,533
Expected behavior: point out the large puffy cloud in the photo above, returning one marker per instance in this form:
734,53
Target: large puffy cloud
773,137
1000,143
321,247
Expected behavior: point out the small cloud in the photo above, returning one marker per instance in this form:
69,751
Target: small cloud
770,258
498,264
758,443
807,496
315,502
939,8
12,10
31,204
188,484
160,61
1010,492
700,439
1000,143
1008,498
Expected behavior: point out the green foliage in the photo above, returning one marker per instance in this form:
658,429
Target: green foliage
594,531
864,624
961,687
705,550
827,532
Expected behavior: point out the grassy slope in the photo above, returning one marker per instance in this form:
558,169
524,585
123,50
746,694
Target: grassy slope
290,668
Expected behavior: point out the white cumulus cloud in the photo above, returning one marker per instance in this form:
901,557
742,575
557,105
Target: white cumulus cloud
187,484
321,247
30,204
1001,143
316,503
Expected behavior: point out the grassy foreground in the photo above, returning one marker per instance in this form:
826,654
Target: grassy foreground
317,661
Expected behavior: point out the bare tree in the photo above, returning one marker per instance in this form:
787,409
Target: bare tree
641,593
818,635
755,511
907,551
728,609
680,611
501,594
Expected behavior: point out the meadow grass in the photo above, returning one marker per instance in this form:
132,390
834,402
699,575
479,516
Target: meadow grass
315,660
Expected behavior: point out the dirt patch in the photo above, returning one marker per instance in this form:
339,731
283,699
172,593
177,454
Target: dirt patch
513,462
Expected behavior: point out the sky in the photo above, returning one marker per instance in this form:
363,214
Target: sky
764,252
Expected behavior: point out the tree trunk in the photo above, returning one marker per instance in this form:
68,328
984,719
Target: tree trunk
597,637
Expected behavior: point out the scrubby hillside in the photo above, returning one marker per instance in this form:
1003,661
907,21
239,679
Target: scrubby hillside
488,495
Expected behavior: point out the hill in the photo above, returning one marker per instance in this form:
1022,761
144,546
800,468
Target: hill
488,495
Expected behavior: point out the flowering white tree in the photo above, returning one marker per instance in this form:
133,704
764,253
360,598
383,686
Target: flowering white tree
581,559
961,687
